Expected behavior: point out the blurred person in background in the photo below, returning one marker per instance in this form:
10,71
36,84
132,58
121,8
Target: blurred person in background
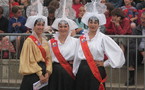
5,5
81,25
140,43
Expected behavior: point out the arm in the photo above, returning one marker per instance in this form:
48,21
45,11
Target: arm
123,28
22,25
49,58
109,29
114,53
10,28
28,59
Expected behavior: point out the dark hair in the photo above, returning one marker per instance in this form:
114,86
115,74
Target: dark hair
118,12
39,20
15,9
51,9
1,10
93,17
109,6
75,2
54,3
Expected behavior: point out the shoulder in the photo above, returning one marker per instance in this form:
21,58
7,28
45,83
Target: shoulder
73,38
28,41
104,37
11,19
22,18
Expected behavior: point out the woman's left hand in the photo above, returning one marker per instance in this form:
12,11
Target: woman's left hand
47,76
99,63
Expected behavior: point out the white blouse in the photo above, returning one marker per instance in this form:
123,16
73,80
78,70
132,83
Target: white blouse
99,45
67,49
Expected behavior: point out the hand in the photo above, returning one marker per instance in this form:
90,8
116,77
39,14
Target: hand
78,30
99,63
5,38
19,24
47,76
14,24
116,20
42,79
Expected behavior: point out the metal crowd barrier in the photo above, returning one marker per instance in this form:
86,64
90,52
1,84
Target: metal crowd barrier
10,79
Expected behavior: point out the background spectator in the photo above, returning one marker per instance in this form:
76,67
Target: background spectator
81,25
25,4
119,25
3,22
54,3
130,12
17,22
5,5
139,30
76,5
5,45
110,7
51,15
11,4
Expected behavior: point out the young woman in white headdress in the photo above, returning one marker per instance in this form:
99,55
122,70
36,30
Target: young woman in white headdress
89,61
63,50
35,59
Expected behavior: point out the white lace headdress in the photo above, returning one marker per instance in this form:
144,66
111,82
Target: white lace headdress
66,13
33,8
97,9
32,19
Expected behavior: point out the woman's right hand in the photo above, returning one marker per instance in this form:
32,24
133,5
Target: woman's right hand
42,79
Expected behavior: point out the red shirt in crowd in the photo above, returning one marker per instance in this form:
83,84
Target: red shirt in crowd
123,29
76,8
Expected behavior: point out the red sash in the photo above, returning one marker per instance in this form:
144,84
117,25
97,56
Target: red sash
60,58
91,62
43,52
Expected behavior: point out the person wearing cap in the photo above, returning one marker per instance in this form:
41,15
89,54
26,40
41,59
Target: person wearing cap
35,59
89,65
63,52
62,49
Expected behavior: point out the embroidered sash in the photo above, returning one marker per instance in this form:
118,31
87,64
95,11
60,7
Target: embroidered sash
60,58
91,62
43,52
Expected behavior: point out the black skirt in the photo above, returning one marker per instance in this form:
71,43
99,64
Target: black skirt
28,80
60,79
85,79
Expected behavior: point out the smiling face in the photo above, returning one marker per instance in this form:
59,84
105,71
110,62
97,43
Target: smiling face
63,27
93,24
39,26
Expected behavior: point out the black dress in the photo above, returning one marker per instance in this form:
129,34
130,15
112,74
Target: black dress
87,81
60,79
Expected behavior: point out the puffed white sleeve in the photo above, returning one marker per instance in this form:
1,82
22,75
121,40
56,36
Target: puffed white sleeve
114,53
77,61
